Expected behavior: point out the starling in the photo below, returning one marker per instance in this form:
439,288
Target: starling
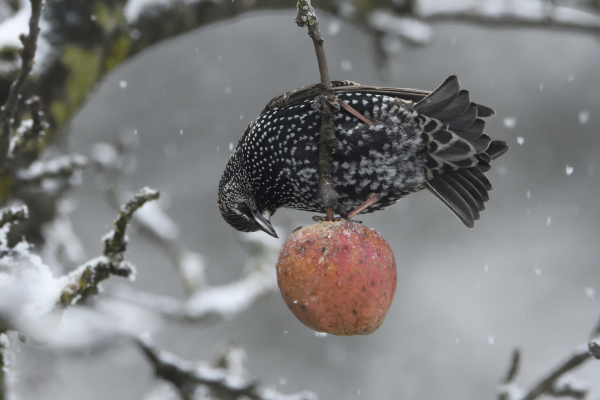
406,140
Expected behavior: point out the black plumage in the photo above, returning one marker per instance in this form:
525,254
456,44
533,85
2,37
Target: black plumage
417,140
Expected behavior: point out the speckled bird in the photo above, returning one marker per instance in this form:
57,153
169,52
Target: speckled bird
408,140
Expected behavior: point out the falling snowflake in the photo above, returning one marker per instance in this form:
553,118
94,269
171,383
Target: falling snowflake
510,122
123,84
584,117
590,292
569,170
520,140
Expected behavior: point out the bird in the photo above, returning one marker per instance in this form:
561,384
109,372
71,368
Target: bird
391,142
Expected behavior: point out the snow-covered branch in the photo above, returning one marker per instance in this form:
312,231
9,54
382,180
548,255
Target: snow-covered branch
59,167
9,110
228,379
83,282
30,130
594,348
213,303
556,383
13,214
113,163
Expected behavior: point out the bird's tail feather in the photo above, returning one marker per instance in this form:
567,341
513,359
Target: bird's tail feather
457,151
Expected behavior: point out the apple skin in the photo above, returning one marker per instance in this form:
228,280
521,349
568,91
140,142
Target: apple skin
337,277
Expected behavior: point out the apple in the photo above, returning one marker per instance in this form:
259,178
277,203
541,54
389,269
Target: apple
337,277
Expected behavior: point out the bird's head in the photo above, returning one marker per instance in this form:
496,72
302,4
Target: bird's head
237,205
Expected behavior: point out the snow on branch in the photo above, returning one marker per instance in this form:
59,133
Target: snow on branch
508,12
13,214
213,303
30,130
113,163
27,53
228,379
84,281
556,383
59,167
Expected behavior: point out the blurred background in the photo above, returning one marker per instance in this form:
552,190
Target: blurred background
526,276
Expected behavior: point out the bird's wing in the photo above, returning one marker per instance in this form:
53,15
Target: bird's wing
458,153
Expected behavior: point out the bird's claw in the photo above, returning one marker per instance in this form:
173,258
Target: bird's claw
319,218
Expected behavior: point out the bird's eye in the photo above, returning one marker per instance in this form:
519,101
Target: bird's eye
243,207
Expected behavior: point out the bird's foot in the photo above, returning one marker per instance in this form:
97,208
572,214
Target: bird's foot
320,218
317,106
371,199
347,107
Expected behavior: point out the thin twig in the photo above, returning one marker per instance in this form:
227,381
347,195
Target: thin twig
548,384
327,106
3,363
115,243
83,282
34,130
594,348
27,54
514,367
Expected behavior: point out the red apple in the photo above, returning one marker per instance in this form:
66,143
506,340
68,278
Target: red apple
337,277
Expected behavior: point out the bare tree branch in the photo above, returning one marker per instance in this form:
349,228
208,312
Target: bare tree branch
327,107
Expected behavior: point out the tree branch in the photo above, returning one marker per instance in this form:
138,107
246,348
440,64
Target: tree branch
13,214
4,343
549,384
223,381
27,54
327,106
30,130
84,281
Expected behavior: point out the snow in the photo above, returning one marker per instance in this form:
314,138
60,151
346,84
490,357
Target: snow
122,84
407,28
584,117
520,140
572,383
510,122
135,8
53,166
569,170
590,292
152,216
529,10
18,23
334,27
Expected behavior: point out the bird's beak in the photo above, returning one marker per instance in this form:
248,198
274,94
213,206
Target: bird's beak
263,223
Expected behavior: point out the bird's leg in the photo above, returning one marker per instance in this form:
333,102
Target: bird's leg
347,107
371,199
